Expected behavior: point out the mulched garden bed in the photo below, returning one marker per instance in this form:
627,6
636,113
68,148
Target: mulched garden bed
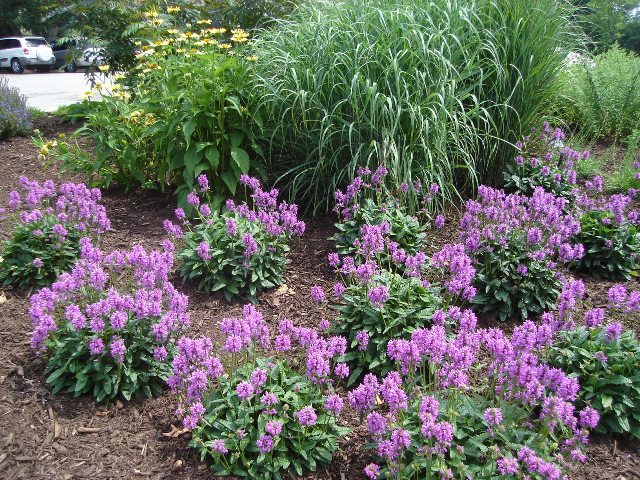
44,436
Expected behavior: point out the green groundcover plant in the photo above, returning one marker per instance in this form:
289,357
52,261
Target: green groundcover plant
107,328
605,358
472,403
424,87
545,161
609,233
368,201
376,305
516,242
261,416
50,221
238,252
180,113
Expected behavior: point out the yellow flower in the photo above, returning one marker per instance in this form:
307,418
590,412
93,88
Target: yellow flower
203,22
173,31
103,68
239,39
151,14
87,95
225,45
173,9
180,50
218,31
44,150
157,21
239,31
119,76
252,58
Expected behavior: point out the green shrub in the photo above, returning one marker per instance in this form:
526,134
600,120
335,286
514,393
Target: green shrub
50,221
601,96
183,114
544,161
107,328
609,233
263,416
607,369
422,87
238,252
369,326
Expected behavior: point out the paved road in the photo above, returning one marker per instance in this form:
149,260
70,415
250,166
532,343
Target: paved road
48,91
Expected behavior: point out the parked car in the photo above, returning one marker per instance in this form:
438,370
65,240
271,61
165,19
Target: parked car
18,53
65,51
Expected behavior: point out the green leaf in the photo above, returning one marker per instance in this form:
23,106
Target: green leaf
241,159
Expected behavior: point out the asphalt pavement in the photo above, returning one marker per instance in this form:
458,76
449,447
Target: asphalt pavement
48,91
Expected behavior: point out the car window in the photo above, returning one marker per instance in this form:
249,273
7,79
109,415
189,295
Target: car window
4,44
35,42
14,43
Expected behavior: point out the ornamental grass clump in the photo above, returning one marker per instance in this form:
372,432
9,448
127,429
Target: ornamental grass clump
609,232
368,200
261,414
376,305
473,404
604,357
545,161
49,223
240,251
108,327
516,243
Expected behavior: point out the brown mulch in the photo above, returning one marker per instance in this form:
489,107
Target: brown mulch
44,436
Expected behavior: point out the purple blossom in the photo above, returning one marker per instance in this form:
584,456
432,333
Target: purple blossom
265,443
219,447
317,294
372,471
96,346
306,416
334,404
117,349
378,296
245,390
37,262
273,428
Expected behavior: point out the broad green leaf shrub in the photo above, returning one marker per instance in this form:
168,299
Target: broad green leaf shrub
545,161
404,211
108,327
472,403
181,113
600,96
516,243
15,117
260,416
604,358
609,233
376,306
240,251
423,87
49,223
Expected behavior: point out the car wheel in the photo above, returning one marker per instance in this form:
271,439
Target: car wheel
16,66
71,68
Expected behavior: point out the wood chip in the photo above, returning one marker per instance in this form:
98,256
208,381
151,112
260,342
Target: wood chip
24,458
175,432
3,457
3,298
88,430
57,429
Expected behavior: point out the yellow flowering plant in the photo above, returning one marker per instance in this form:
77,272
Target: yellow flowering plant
181,112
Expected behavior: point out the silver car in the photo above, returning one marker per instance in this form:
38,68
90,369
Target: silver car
84,57
18,53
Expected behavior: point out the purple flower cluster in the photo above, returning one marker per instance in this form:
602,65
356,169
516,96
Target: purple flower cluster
371,185
514,375
105,292
53,213
496,221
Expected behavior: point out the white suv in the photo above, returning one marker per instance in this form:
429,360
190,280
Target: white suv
18,53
